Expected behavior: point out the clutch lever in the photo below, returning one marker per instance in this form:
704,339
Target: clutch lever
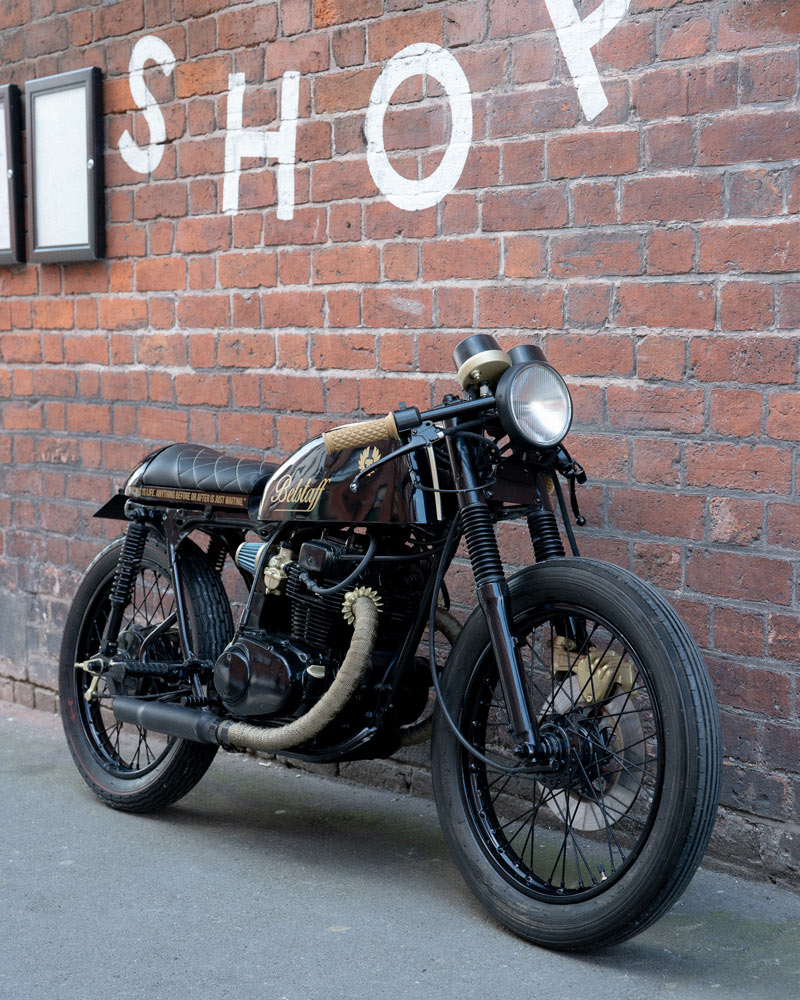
423,437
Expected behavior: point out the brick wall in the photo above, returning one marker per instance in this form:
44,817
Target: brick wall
651,248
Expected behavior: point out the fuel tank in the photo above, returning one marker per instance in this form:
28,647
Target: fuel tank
315,486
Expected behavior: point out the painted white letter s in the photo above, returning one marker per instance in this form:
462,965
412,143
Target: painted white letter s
149,48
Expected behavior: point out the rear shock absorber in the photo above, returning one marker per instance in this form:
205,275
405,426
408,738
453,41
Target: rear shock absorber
130,559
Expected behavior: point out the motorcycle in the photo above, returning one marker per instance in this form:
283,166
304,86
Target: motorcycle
575,746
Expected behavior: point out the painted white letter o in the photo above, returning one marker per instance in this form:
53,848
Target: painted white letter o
420,59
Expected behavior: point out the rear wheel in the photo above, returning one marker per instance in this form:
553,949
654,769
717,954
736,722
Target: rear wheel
595,851
127,766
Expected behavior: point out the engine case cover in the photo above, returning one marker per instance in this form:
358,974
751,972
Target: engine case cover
258,678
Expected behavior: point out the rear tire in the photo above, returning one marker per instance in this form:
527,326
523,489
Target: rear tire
596,853
127,766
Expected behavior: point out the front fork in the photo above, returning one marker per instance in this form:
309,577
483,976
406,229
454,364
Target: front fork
494,598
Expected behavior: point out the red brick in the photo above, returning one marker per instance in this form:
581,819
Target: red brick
735,522
684,36
345,264
328,12
766,77
736,412
349,46
533,60
397,308
161,274
525,257
595,254
772,247
670,251
521,114
737,138
389,35
651,408
589,304
517,209
656,461
672,199
681,305
400,261
53,314
292,393
783,417
523,162
340,180
297,308
739,467
203,76
467,258
757,360
748,25
253,26
455,306
378,395
202,235
597,354
204,311
747,305
604,457
304,54
594,204
530,308
516,17
383,221
592,154
756,192
247,270
337,351
743,577
784,526
344,307
346,91
669,145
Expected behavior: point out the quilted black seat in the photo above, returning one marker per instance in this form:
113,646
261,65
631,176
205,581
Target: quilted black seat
195,467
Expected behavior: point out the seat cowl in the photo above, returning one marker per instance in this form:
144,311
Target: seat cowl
197,474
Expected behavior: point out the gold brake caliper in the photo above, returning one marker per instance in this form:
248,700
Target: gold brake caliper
596,672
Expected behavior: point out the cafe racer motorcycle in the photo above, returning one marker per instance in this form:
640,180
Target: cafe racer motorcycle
575,745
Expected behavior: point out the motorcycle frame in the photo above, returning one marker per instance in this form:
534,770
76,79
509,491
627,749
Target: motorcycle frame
472,496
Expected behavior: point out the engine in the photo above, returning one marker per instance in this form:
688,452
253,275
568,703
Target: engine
294,638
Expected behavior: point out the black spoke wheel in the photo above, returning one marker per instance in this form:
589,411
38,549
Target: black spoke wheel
597,848
128,766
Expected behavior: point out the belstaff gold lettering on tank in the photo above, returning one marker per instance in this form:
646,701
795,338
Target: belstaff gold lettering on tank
302,497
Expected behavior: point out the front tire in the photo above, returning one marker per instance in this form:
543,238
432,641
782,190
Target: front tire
596,852
127,766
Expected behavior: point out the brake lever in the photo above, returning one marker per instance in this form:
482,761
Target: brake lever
424,436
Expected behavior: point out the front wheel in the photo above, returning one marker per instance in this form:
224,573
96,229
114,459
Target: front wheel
596,850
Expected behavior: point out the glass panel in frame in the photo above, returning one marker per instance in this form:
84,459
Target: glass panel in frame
65,167
12,233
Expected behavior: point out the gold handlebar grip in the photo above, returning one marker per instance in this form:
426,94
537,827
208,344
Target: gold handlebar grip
360,434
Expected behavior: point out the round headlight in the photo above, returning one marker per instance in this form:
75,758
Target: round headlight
534,404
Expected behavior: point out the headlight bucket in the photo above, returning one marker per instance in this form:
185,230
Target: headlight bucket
534,405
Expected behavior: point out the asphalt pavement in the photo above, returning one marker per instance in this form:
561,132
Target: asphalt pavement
278,884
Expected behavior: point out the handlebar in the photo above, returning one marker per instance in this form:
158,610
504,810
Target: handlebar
361,433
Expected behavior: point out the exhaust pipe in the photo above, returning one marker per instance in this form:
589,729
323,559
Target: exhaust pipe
207,727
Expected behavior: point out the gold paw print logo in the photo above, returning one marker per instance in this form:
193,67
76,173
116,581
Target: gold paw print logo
368,457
